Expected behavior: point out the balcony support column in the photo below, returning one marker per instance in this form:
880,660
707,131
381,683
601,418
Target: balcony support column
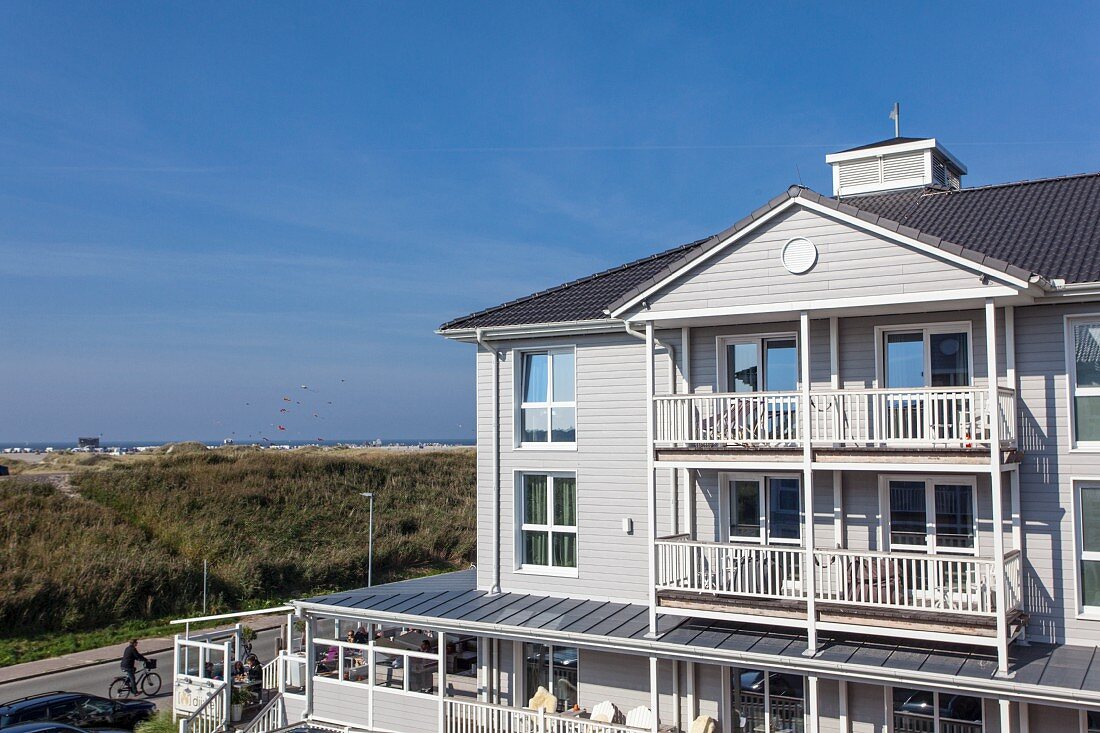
651,480
807,483
814,726
654,694
688,478
995,482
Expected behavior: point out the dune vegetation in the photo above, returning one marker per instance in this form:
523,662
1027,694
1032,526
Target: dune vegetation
127,542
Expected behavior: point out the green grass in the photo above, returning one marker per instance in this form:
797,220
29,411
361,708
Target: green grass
162,722
76,573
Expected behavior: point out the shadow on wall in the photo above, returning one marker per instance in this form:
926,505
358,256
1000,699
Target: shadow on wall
1043,514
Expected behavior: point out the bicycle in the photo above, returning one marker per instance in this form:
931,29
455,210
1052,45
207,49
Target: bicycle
146,682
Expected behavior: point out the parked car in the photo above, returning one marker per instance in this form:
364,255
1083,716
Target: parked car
48,727
76,709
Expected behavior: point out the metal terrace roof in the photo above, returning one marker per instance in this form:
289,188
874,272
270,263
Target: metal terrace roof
1048,227
1054,671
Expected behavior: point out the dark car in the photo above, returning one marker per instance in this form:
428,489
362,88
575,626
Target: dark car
48,727
76,709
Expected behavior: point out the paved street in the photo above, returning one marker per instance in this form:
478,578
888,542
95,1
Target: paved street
95,679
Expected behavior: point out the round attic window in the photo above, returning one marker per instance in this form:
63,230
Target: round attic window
799,255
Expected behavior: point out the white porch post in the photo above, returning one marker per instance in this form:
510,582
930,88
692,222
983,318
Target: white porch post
651,479
995,478
813,726
688,522
1025,718
654,694
842,707
807,485
840,539
310,666
441,673
693,701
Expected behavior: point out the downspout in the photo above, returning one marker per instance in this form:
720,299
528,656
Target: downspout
480,335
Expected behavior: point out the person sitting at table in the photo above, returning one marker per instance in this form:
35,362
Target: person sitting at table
238,668
208,670
350,637
361,636
255,670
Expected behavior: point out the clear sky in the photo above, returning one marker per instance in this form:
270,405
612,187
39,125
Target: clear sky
204,206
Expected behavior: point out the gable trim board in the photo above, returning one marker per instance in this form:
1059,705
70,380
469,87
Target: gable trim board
1002,272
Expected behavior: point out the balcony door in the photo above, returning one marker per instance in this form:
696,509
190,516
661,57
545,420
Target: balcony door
758,363
934,515
763,509
921,358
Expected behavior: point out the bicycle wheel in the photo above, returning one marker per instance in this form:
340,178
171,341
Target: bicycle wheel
150,684
119,689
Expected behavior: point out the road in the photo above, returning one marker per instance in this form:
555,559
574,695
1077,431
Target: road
95,679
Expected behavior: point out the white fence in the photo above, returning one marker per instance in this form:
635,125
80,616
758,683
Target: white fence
955,417
209,717
272,717
934,582
465,716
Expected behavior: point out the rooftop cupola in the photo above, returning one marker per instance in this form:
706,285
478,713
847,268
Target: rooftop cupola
900,162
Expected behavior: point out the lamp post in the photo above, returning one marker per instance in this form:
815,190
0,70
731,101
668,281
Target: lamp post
370,540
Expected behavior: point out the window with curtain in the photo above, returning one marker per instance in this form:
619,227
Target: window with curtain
1085,381
548,408
548,532
1088,522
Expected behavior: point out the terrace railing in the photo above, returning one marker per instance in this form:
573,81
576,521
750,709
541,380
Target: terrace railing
467,716
271,717
950,417
210,717
945,583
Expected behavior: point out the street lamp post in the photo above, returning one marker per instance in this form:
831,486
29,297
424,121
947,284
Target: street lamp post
370,540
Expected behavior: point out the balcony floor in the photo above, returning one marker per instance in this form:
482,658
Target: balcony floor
931,455
776,610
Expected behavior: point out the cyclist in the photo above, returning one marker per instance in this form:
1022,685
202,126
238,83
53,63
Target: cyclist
129,657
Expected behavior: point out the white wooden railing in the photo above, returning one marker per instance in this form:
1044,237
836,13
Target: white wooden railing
270,718
759,418
723,568
913,581
956,417
272,672
468,716
210,717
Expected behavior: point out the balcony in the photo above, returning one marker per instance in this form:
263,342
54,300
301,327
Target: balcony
954,418
900,590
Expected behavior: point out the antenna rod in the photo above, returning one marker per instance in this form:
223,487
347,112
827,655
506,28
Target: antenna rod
895,115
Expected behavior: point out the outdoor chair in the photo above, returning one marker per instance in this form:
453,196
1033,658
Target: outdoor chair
607,712
640,717
704,724
543,700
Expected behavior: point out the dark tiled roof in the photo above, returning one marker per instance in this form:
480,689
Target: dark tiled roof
887,141
1048,227
1041,665
579,300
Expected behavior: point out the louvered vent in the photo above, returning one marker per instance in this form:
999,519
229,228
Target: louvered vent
939,172
903,167
860,173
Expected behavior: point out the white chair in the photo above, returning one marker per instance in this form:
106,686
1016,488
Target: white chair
606,712
706,724
543,700
640,717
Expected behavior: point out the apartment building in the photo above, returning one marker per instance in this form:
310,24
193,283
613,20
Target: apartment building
835,468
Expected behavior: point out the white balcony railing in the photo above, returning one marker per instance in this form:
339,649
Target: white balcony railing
468,716
954,417
911,581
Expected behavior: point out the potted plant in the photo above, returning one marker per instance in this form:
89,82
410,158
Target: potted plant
239,698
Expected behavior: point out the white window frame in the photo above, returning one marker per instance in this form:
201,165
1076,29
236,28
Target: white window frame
1091,613
519,662
549,405
888,701
930,482
731,685
723,342
927,329
1085,720
726,508
1072,391
372,653
550,528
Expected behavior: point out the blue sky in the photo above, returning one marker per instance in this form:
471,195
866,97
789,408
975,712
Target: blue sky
204,205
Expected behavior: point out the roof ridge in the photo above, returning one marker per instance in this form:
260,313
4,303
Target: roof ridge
573,283
930,191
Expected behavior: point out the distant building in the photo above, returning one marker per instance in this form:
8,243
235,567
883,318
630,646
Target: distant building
87,442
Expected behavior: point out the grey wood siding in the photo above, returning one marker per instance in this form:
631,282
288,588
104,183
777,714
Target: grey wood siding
621,678
341,703
1047,473
295,706
866,709
851,263
609,462
400,713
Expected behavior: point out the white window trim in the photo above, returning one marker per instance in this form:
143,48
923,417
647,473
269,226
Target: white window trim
1085,613
722,342
725,508
1085,720
930,481
372,653
731,685
519,662
927,329
1068,322
549,405
888,699
550,529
